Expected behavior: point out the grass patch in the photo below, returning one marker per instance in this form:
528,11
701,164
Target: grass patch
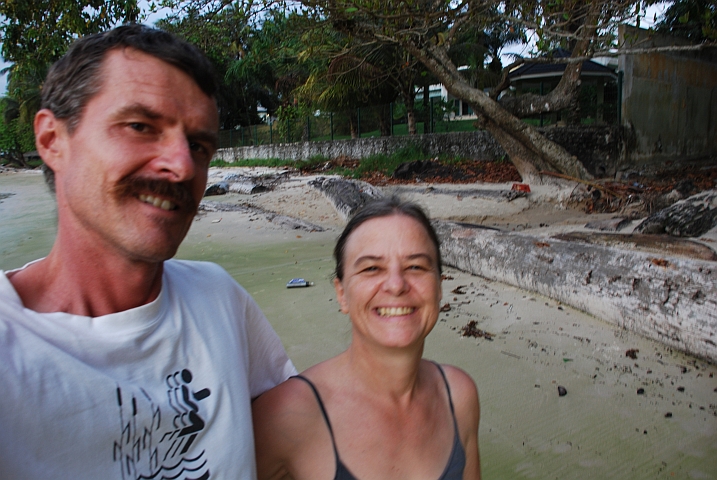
386,164
254,162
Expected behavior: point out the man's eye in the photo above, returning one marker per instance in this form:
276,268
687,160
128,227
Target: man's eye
197,147
139,127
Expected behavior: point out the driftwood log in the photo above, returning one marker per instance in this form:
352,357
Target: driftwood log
672,300
690,217
346,196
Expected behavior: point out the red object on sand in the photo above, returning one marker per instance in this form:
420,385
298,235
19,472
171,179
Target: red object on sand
521,187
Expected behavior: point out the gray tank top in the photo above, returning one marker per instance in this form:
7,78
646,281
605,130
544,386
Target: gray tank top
456,462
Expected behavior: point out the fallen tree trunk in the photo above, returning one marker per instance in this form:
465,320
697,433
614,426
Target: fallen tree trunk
691,217
668,299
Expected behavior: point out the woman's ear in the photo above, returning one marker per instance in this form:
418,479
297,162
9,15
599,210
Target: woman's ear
340,296
50,134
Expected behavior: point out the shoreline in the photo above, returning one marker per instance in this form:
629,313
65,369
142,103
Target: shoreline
602,428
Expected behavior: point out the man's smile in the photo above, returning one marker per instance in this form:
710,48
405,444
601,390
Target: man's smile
162,203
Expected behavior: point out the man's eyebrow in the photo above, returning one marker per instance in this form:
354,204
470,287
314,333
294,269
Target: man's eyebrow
212,138
137,109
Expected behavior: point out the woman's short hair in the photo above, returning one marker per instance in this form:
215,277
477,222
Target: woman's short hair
384,207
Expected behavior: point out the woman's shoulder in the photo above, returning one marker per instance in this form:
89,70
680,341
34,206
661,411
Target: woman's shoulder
295,402
458,379
464,392
288,398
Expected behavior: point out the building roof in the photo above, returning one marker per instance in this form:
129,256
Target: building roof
545,70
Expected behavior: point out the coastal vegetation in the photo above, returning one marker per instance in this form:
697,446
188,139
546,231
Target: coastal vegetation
281,60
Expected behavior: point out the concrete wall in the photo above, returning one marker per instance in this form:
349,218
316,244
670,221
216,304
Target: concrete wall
669,100
600,149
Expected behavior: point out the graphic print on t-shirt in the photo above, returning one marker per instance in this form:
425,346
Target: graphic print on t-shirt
156,435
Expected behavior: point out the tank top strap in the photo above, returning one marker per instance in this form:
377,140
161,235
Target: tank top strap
457,460
323,412
448,389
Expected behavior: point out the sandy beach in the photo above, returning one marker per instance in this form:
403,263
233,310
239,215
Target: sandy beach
634,408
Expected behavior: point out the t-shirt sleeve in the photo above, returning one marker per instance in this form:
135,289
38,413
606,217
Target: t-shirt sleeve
269,365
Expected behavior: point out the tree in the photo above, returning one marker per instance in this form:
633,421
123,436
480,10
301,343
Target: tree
34,34
349,76
16,137
429,30
695,20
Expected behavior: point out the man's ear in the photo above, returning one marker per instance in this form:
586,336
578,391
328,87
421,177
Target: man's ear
50,136
340,296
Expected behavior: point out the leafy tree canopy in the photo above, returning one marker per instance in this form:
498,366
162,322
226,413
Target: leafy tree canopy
35,33
695,20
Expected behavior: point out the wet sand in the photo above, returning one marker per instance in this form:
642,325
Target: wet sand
602,427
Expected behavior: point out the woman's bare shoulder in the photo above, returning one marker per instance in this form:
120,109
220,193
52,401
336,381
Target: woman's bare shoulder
463,389
293,403
292,400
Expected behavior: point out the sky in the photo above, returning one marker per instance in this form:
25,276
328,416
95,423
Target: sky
646,22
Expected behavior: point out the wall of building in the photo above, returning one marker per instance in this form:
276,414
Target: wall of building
669,100
600,149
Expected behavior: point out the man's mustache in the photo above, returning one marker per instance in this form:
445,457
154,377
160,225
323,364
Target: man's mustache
177,193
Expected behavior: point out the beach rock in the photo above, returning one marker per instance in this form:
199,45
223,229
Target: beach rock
562,391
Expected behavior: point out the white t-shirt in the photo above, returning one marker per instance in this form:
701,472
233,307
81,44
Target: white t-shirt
158,391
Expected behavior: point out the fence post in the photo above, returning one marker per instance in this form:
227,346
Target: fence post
541,94
358,121
256,138
620,78
271,132
242,135
430,115
390,120
231,144
308,128
331,125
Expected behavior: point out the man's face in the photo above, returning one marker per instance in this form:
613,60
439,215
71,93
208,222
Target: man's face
134,170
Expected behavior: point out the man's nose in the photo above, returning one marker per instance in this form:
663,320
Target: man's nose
176,159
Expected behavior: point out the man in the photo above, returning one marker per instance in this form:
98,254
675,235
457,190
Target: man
116,362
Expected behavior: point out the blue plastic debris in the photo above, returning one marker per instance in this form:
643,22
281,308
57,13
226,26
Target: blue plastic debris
298,282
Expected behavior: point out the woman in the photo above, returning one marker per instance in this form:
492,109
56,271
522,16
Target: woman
377,410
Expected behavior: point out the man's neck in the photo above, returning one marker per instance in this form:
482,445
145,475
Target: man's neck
86,285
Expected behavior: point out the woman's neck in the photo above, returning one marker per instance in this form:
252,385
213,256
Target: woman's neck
385,370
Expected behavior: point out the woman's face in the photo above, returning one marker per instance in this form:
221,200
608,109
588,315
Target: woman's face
391,286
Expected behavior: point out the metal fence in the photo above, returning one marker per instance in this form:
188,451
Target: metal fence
364,122
390,120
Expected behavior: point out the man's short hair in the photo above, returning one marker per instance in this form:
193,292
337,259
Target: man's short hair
75,78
